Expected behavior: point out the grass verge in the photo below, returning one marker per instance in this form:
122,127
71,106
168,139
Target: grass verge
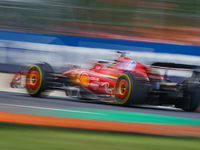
25,137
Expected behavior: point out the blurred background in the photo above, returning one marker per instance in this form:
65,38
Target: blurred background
168,20
161,21
63,32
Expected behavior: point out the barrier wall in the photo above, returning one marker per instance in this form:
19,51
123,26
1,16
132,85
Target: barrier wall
101,43
22,48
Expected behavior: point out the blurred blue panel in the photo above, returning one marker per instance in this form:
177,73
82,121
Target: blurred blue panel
101,43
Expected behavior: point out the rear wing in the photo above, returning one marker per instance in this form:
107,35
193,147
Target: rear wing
195,77
174,66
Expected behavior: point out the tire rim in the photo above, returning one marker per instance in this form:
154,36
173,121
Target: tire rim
122,88
33,79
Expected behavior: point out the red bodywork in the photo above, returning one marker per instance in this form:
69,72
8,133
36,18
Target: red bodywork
101,78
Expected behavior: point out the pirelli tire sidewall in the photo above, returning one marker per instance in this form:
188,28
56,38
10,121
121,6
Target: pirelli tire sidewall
135,94
40,73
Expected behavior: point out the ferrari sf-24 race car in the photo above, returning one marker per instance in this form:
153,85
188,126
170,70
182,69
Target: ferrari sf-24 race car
123,81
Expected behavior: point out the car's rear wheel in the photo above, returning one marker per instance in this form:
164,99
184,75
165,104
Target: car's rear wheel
129,89
36,78
191,96
191,100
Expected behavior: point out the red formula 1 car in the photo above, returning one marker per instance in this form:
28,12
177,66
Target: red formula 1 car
123,81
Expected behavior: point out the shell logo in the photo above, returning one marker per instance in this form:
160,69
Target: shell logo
84,79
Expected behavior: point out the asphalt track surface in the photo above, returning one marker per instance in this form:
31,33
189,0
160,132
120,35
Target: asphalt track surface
14,102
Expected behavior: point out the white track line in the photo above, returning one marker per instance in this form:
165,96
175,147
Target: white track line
54,109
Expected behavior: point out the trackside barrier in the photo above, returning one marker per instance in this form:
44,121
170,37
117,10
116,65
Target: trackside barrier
18,48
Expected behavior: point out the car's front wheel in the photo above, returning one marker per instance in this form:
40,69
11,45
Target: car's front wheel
36,78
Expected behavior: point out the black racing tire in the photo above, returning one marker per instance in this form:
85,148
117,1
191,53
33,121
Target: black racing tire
191,96
130,89
191,101
36,79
